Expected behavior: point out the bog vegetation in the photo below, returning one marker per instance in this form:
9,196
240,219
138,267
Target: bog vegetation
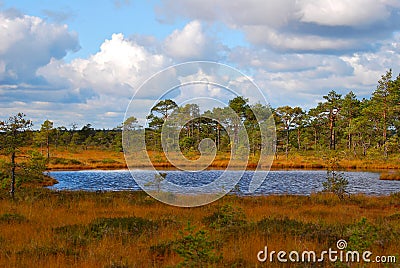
42,228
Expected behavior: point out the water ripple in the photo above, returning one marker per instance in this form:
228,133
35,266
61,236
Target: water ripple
301,182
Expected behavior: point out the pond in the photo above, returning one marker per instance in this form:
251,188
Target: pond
299,182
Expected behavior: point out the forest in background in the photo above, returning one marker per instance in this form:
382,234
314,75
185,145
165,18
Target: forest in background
359,127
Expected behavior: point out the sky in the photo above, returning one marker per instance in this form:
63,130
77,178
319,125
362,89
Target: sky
80,62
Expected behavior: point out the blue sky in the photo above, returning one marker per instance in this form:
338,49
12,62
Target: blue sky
81,61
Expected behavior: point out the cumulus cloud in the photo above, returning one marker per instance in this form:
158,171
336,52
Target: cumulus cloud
266,36
28,42
295,62
233,13
356,13
102,84
304,25
123,63
190,43
117,68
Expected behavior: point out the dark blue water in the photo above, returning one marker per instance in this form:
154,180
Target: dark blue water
301,182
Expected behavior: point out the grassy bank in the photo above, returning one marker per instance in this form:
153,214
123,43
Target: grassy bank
391,175
129,229
103,159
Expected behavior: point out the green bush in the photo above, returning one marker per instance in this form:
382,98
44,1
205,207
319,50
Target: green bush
126,228
226,216
336,183
64,161
73,234
196,248
36,165
362,235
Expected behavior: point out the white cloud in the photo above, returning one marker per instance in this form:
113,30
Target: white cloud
269,37
233,13
343,12
191,43
117,68
103,83
304,25
293,62
28,42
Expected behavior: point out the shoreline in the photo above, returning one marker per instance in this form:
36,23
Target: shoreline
110,160
219,167
385,173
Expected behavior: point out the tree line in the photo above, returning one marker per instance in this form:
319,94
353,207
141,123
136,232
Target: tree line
369,125
359,127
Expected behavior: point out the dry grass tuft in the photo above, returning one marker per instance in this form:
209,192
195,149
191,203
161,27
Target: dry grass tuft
394,176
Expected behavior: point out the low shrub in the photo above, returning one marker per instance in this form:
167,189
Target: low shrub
113,226
362,235
310,231
196,248
336,183
64,161
127,227
12,218
226,216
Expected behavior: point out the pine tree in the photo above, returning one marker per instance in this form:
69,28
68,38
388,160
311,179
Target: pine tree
14,130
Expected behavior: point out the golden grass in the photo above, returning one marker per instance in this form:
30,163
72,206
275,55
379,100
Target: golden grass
32,236
106,159
87,159
394,176
95,158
